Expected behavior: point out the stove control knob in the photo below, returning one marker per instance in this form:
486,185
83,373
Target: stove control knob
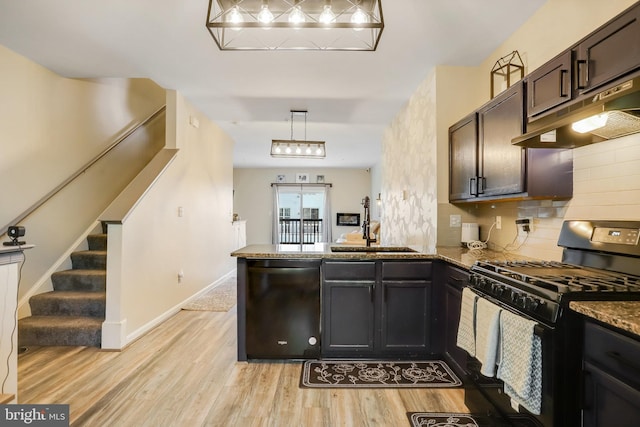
534,303
473,280
514,296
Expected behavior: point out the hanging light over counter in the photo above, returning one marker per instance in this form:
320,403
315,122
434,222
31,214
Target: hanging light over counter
301,149
295,24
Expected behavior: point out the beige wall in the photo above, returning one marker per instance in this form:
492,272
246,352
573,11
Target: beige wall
157,243
253,197
606,183
50,126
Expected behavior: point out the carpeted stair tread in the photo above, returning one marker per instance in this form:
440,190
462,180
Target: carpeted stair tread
79,280
97,242
60,330
89,260
69,303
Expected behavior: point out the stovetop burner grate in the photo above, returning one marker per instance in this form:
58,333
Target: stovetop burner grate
562,277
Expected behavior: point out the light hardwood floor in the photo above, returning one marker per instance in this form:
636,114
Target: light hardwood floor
185,373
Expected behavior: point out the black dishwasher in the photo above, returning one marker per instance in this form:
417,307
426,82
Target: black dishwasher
283,309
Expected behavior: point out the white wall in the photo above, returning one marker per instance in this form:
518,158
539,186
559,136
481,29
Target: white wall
253,199
157,243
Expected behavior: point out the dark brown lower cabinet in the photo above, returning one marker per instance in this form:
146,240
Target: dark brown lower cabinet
611,378
376,308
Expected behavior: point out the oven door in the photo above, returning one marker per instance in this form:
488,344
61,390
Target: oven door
492,389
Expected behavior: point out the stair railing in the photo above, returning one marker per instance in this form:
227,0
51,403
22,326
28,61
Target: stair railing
82,170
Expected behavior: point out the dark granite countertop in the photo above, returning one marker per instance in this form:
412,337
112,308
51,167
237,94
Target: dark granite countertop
456,255
624,315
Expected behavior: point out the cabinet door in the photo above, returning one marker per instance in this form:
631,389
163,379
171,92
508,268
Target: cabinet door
610,52
549,85
348,308
463,158
608,401
348,318
405,317
502,168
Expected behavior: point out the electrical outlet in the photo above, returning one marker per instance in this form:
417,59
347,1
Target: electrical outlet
524,226
498,222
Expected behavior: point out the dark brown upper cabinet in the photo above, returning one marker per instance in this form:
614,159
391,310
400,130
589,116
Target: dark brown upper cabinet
463,154
483,162
485,166
549,85
606,56
501,165
610,52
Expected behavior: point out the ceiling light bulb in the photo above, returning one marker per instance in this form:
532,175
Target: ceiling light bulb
308,151
318,151
359,18
234,16
265,16
298,150
288,150
590,123
327,16
296,16
278,150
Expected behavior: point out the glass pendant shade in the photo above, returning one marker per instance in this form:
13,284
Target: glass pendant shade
296,16
327,16
265,16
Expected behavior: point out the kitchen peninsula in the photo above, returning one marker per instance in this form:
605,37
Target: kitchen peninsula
301,302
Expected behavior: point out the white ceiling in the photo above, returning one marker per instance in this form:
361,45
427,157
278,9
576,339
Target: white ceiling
350,96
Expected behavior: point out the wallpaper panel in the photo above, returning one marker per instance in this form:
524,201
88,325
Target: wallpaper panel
409,174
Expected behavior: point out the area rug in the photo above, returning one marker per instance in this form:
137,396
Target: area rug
439,419
220,298
377,374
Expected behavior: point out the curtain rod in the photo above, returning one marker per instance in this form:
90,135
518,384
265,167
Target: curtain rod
291,184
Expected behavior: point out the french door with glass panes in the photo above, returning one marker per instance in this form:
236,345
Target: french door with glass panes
300,215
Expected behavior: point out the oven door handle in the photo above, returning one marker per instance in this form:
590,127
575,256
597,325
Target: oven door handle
623,361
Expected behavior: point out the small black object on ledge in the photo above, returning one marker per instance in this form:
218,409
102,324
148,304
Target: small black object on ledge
15,232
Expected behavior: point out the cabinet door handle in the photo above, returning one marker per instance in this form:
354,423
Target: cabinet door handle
563,74
620,359
472,184
370,293
581,63
482,184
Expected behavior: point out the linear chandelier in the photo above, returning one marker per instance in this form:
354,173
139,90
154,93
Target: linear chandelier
295,24
299,149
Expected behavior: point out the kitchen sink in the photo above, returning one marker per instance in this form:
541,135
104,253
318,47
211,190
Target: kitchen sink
371,249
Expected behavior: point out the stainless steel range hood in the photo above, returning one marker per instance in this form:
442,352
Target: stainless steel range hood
618,107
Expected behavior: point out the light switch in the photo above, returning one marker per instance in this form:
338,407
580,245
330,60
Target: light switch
455,221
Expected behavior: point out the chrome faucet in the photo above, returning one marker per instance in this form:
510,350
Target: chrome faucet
366,224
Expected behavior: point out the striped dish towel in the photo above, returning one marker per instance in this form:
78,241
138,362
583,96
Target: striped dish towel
466,338
521,361
487,336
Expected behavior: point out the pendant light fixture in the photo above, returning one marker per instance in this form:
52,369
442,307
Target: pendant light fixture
295,24
299,149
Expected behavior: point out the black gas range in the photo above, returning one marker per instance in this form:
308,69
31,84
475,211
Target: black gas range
600,262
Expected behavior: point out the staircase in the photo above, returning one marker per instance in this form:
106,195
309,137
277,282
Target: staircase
71,314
